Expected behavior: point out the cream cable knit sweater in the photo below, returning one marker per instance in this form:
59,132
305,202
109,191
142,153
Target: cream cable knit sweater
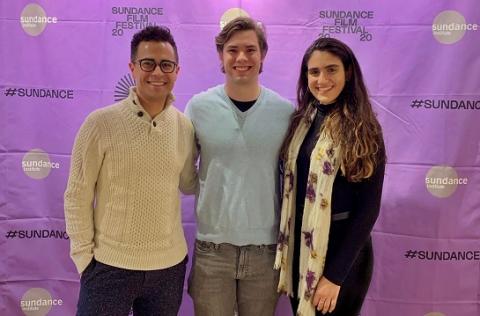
122,204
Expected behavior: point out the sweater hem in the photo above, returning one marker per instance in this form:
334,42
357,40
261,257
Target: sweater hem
144,260
260,236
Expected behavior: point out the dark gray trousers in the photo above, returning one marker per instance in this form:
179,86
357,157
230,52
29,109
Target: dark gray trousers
111,291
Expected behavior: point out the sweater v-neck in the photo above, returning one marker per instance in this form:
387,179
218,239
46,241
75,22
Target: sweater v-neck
240,116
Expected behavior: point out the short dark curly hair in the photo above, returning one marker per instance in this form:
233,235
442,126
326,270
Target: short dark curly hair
152,34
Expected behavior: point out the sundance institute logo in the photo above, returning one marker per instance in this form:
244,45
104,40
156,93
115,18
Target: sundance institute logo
38,302
122,88
450,26
231,14
442,181
37,165
34,20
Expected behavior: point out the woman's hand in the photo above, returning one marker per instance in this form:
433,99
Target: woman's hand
326,295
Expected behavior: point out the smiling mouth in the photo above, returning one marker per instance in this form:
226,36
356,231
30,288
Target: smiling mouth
324,90
157,83
242,68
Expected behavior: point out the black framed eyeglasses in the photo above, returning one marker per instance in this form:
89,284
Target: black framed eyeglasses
149,65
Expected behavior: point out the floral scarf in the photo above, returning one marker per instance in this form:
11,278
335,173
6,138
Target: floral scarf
324,165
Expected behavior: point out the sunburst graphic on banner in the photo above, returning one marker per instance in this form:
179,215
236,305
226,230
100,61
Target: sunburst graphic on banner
122,87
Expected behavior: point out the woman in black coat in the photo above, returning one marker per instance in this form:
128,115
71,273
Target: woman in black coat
333,161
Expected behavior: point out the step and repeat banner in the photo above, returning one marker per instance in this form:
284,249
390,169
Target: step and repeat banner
60,60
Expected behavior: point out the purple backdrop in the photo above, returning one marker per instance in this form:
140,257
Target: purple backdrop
62,59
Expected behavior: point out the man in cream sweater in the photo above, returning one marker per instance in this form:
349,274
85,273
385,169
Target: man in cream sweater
122,203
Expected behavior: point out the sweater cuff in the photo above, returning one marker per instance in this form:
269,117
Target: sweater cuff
81,261
336,279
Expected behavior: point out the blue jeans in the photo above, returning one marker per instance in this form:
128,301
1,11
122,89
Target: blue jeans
110,291
225,278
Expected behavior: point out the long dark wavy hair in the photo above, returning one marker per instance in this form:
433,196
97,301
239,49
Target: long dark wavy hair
352,124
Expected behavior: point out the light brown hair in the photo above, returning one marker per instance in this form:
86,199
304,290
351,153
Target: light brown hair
242,24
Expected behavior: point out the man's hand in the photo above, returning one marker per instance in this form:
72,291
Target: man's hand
326,295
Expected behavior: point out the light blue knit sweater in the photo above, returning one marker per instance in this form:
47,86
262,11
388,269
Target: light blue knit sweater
238,199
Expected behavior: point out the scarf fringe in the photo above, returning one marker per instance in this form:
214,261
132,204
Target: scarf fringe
305,308
278,261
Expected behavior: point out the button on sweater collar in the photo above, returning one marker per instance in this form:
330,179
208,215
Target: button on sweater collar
137,109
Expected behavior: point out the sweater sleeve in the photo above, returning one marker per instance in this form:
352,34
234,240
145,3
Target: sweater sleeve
357,230
189,111
188,176
86,161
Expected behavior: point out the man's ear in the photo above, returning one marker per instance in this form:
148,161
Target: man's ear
220,57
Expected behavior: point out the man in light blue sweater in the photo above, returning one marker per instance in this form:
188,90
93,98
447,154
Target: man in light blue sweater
239,127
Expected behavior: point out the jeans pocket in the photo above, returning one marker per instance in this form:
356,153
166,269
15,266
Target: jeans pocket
203,246
90,266
272,248
88,272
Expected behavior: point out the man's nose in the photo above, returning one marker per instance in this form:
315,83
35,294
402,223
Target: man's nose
241,56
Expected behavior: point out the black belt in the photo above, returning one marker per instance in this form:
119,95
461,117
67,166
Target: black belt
340,216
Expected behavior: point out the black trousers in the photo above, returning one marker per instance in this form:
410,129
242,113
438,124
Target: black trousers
111,291
353,290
